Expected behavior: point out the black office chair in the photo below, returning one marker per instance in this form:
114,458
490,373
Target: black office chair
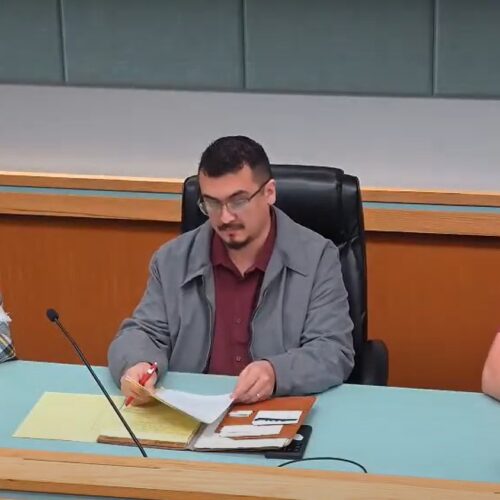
329,202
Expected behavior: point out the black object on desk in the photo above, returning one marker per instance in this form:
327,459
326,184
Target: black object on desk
297,447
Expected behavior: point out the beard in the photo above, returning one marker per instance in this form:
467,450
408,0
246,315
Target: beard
231,244
237,245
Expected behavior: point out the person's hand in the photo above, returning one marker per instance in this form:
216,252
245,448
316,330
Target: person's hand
130,383
255,383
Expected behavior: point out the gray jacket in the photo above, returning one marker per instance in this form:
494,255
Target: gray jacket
301,323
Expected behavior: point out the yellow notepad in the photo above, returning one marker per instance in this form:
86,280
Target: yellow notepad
154,424
84,417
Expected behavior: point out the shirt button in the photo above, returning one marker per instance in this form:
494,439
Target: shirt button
238,358
237,320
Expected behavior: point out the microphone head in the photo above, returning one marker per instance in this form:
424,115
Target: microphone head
52,314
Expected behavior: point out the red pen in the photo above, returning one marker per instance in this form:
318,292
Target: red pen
145,377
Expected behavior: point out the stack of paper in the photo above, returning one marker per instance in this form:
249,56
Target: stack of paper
84,417
210,439
153,424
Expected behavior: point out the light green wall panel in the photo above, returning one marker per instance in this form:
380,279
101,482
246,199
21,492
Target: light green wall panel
30,49
468,47
154,43
372,47
360,46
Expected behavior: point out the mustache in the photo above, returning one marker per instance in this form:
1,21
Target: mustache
226,227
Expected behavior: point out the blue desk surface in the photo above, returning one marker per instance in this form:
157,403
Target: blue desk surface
394,431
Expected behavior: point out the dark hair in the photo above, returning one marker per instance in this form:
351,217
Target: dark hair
230,154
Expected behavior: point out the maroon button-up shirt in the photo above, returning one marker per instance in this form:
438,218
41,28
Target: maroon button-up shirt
235,301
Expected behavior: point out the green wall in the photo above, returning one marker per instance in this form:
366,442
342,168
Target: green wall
372,47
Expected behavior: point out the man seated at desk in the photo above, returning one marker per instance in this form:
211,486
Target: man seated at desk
249,293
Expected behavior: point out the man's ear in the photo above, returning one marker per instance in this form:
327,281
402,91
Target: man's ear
270,191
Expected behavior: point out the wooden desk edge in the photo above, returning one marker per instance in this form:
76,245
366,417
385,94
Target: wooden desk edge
130,477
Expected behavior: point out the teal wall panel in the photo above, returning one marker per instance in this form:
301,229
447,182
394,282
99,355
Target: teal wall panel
367,47
360,46
158,43
30,43
468,47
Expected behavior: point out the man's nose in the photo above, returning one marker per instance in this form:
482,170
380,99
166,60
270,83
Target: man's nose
225,215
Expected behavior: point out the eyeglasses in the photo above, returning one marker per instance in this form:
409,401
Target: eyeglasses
234,205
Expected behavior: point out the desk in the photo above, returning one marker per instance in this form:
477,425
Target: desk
391,431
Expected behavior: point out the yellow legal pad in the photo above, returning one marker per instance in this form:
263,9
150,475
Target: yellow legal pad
84,417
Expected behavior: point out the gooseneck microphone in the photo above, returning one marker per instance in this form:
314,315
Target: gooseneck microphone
54,318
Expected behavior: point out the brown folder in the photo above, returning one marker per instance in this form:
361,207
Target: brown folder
291,403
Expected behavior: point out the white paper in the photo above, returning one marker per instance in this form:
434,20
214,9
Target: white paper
233,431
240,413
209,440
275,417
203,408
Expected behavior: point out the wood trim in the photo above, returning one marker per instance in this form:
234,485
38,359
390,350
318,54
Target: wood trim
464,198
126,477
164,185
90,207
376,220
413,221
130,208
105,182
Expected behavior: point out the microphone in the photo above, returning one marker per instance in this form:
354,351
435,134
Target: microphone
53,316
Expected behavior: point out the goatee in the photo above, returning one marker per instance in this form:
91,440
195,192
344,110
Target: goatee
237,245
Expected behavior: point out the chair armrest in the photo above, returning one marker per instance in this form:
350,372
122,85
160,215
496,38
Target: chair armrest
372,364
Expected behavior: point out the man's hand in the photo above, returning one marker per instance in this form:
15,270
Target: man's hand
255,383
134,374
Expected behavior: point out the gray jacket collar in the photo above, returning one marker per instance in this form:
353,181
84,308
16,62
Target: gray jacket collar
288,251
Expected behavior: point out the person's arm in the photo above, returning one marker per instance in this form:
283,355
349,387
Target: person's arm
6,347
491,370
326,355
145,337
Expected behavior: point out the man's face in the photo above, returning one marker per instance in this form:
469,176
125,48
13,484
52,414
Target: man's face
235,217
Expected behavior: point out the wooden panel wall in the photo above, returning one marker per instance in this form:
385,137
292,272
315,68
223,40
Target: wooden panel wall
435,300
92,271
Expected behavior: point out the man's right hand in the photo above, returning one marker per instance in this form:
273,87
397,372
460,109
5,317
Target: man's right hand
135,374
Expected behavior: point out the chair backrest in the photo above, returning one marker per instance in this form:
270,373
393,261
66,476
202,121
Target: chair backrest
327,201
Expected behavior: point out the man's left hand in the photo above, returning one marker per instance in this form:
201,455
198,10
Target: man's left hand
255,383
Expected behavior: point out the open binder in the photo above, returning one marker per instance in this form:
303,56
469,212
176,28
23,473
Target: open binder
173,429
